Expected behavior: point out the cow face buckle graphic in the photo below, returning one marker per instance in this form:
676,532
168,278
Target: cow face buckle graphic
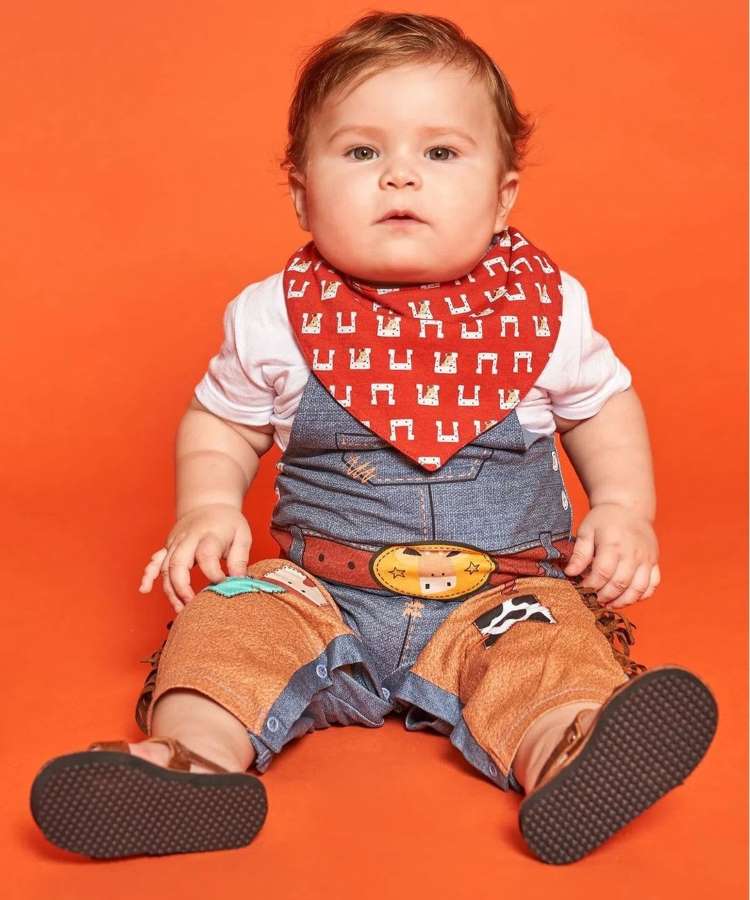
431,571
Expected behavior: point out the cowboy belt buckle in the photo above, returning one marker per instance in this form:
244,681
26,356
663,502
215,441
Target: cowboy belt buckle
431,571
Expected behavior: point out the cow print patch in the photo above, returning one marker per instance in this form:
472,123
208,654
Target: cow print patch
497,621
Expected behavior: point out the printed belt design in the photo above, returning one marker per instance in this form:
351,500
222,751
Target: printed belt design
430,570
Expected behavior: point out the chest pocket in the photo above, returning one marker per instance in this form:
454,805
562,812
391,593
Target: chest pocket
370,459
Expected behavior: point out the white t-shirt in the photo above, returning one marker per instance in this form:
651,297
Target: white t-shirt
259,374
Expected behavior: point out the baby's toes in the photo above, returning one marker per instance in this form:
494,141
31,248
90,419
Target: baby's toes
151,752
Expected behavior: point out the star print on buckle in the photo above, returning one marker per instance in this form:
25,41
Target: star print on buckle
431,571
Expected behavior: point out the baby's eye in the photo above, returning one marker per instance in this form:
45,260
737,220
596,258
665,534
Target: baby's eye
354,150
444,150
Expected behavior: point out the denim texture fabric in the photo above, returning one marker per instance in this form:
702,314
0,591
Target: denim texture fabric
504,492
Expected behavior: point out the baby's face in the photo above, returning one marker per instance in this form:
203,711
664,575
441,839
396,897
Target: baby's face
421,138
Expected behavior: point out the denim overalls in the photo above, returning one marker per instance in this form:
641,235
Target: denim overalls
478,668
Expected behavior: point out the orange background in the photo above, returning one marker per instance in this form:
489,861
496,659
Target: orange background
140,151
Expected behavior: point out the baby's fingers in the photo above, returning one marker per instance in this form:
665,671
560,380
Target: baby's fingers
637,588
176,572
620,580
152,570
654,581
239,553
207,555
603,567
176,603
583,551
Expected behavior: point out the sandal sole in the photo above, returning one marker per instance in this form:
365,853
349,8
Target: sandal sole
647,740
108,804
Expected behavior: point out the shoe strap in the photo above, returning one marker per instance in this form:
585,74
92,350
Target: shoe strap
560,755
180,759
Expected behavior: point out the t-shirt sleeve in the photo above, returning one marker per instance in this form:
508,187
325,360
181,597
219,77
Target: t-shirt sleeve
234,386
585,372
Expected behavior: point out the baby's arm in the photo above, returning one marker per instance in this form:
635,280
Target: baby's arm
611,454
217,461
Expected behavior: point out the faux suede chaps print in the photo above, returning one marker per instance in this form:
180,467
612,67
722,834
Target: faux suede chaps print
278,651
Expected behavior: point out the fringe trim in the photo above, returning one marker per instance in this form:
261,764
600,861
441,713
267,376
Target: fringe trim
616,629
147,691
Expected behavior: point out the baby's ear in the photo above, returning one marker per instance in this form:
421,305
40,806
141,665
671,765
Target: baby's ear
506,198
298,191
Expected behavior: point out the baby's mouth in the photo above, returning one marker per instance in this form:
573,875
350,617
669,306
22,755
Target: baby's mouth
401,222
401,216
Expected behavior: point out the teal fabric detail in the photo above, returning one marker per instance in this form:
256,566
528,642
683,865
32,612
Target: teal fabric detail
230,587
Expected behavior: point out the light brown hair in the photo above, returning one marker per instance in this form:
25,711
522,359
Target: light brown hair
381,40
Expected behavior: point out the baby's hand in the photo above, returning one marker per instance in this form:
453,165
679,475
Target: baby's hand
625,565
205,536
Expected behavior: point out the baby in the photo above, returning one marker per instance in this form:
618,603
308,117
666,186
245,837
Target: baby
413,361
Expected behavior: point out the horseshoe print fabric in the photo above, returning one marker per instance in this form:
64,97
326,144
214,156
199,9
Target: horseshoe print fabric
429,367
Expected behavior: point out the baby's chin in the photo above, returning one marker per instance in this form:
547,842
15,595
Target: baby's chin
397,277
390,263
398,272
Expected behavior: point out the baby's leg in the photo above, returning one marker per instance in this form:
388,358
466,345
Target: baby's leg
543,736
241,663
547,698
521,663
204,726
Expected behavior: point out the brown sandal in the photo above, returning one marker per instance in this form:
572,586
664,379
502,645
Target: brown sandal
107,803
645,740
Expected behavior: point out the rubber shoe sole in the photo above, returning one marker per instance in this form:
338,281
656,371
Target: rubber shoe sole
647,739
109,805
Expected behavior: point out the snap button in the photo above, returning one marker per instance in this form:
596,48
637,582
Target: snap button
493,771
273,724
321,557
350,564
322,671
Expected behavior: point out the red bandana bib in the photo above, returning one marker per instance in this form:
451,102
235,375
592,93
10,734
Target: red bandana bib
429,367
